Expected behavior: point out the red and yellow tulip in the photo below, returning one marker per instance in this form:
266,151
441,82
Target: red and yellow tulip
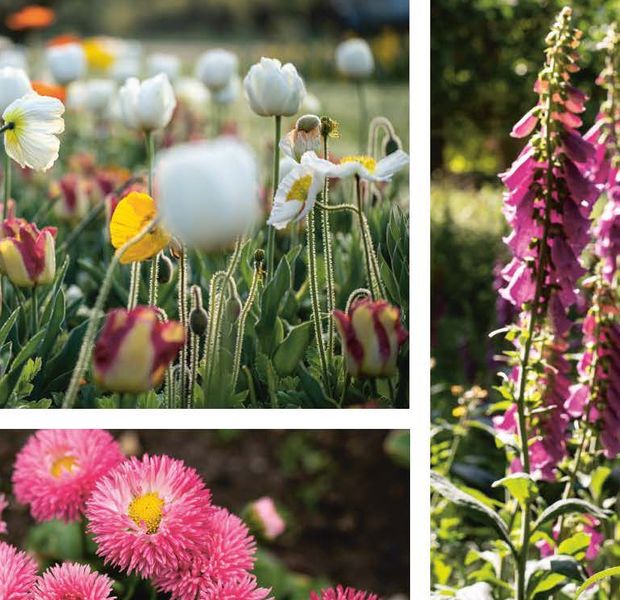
134,350
27,254
371,334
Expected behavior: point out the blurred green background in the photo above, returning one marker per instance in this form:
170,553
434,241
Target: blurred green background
344,495
485,56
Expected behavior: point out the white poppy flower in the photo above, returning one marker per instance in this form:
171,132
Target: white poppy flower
99,94
34,122
147,105
67,62
14,57
354,58
14,83
311,103
368,168
124,68
215,68
207,192
229,93
161,62
273,89
287,164
478,591
297,192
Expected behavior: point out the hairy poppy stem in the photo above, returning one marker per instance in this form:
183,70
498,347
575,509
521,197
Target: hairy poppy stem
271,232
7,180
329,262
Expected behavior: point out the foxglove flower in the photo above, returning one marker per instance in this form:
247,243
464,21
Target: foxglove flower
57,469
150,515
134,350
69,581
371,334
354,59
607,235
17,573
34,123
27,254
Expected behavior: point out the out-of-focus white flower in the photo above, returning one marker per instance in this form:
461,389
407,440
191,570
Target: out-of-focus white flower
77,93
35,123
215,68
192,93
99,94
305,137
297,192
354,58
124,68
273,89
230,93
67,62
147,105
478,591
14,83
14,57
208,192
311,103
366,167
162,62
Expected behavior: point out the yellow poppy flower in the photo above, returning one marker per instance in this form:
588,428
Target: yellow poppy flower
131,215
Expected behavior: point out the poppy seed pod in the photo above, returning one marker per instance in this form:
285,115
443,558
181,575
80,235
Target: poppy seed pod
306,137
371,335
134,350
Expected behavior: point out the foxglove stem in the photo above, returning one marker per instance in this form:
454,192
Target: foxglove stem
367,259
89,336
271,232
245,311
314,293
329,261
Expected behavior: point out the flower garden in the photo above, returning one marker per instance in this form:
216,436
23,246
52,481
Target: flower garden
158,250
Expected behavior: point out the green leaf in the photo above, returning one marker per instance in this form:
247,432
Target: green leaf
291,351
56,540
446,489
613,571
570,505
8,324
520,486
271,300
544,574
575,544
599,476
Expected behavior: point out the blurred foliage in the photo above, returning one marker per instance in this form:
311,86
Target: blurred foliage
485,56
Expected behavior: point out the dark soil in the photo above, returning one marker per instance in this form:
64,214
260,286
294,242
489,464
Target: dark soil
347,503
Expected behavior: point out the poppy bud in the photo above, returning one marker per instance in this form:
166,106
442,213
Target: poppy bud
27,254
164,273
371,335
134,349
198,320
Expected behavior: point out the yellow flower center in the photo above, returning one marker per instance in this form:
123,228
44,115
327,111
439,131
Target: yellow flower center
299,189
368,162
18,119
147,510
64,464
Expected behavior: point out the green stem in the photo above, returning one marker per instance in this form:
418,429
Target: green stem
149,141
314,293
245,311
369,272
329,263
89,336
182,300
363,116
35,311
7,181
271,232
134,286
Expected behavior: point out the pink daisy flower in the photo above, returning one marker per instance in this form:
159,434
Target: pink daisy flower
242,588
149,515
3,504
226,555
17,573
57,469
71,581
342,593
